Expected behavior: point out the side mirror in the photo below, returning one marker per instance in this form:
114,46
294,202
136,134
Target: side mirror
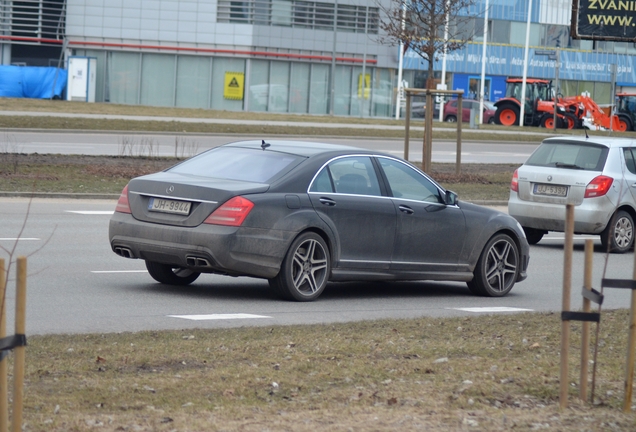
450,199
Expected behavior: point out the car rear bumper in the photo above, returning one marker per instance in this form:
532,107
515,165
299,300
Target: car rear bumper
205,248
590,217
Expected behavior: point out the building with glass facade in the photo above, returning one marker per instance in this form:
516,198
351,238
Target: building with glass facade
292,56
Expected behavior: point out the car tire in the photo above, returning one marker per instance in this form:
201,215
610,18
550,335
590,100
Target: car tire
533,235
497,269
305,270
618,235
171,275
451,119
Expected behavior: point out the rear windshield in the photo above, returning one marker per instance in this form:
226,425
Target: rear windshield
233,163
588,157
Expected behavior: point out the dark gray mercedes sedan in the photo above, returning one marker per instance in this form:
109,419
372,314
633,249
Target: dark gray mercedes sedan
302,214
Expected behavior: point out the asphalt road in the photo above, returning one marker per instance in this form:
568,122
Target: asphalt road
77,285
91,143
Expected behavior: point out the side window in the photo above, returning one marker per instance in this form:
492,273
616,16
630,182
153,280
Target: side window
407,183
354,175
629,160
322,182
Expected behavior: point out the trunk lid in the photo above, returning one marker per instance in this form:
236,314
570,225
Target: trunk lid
181,199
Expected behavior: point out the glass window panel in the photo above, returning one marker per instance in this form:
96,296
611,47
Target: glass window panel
555,35
357,97
343,90
303,14
123,78
518,34
157,81
500,31
237,164
299,93
603,93
259,85
239,12
382,97
219,68
281,12
193,82
407,183
322,182
354,175
569,88
262,12
324,16
586,86
319,89
279,87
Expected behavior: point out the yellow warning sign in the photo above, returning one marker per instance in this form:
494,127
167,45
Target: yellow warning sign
367,86
234,83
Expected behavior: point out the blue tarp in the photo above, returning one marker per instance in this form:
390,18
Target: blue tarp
31,82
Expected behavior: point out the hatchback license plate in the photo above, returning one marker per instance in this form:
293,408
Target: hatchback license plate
552,190
169,206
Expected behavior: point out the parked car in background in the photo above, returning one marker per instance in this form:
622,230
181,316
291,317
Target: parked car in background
450,111
418,110
596,174
301,214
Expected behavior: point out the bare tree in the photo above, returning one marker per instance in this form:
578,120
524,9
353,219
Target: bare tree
421,26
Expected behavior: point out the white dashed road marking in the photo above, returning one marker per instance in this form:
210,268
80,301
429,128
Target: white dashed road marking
19,239
118,271
218,316
91,212
492,309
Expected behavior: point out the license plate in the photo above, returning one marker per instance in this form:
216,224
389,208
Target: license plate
552,190
169,206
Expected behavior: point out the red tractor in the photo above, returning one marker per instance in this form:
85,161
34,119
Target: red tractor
626,112
538,108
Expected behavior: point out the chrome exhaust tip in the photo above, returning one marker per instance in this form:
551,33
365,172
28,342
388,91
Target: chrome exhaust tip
123,252
193,261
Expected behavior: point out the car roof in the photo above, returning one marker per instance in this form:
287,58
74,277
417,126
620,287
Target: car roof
599,140
299,148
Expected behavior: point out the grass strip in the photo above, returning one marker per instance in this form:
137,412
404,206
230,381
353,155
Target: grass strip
483,372
109,174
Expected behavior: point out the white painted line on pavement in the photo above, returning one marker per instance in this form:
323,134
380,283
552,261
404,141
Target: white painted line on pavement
492,309
218,316
119,271
578,237
91,212
19,239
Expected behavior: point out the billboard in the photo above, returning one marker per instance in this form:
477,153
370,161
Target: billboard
604,20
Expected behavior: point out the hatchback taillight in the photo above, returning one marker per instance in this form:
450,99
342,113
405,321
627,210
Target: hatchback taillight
514,184
123,206
232,213
599,186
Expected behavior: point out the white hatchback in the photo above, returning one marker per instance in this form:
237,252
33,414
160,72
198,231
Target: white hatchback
596,174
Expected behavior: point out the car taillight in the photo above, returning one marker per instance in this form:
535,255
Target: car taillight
122,204
232,213
599,186
514,184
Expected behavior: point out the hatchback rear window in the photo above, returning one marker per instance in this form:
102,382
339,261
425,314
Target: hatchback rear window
588,157
237,164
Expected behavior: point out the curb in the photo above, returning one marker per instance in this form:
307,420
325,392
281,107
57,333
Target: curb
95,196
59,195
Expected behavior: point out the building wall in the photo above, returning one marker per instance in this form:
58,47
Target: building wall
176,53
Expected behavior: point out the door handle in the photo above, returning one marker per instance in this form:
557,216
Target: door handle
406,209
327,201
